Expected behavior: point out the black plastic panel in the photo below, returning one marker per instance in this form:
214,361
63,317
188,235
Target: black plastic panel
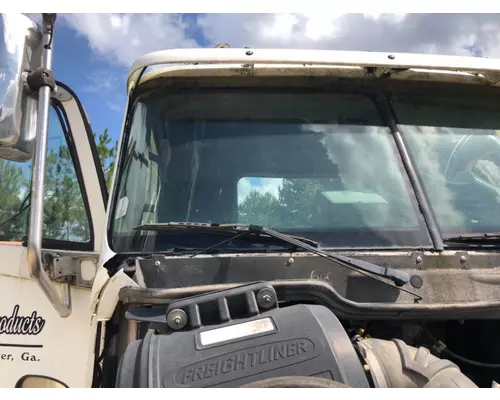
301,340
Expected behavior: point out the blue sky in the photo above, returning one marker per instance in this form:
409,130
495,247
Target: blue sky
76,65
98,80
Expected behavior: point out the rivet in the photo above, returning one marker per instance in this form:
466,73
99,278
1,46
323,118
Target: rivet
290,261
391,57
249,53
418,260
463,259
157,263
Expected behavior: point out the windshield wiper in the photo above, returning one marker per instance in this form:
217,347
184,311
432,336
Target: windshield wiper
400,278
231,229
480,238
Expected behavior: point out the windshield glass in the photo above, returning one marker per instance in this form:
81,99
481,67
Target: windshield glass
314,164
454,142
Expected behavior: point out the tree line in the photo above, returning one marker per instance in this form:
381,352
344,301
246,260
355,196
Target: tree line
64,207
65,212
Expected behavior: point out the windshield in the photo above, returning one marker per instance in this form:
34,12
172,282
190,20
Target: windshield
454,142
315,164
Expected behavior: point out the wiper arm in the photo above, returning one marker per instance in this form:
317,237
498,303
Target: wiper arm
400,278
474,238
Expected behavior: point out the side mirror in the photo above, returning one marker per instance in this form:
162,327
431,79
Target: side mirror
38,382
20,53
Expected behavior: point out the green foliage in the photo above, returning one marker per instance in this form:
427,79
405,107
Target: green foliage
107,154
13,189
296,205
259,209
65,216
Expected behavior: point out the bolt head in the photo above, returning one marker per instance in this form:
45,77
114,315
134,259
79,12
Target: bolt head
157,263
266,298
177,319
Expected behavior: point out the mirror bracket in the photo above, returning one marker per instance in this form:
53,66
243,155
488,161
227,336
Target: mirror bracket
67,267
39,78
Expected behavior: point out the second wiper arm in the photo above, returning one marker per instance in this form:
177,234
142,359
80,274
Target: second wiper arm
400,278
474,237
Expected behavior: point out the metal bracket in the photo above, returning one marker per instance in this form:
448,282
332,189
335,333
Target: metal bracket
67,268
41,77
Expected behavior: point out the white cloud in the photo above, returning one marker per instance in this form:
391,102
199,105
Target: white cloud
270,185
124,37
427,33
244,189
109,86
102,81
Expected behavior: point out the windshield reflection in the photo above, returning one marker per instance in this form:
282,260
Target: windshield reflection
456,149
342,181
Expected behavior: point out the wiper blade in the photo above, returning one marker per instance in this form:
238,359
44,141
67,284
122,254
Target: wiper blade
474,237
400,278
236,229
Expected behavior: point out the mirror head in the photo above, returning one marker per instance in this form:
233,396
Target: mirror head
20,53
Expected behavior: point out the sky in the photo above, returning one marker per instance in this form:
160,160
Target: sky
92,52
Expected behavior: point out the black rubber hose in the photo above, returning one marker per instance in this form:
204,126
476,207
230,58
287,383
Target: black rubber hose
451,354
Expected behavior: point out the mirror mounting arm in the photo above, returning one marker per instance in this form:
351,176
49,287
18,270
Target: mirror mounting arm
41,78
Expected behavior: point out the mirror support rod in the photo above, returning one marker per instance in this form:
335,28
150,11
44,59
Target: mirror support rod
42,81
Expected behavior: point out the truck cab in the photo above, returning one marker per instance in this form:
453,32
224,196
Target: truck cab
276,218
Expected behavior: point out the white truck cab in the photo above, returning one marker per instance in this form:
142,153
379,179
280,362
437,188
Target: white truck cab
93,283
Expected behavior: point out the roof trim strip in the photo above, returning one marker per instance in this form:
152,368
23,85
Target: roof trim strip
479,65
